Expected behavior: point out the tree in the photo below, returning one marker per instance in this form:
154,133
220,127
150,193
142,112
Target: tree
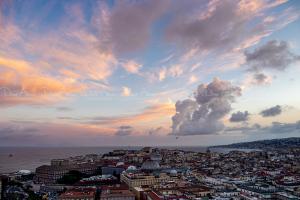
71,177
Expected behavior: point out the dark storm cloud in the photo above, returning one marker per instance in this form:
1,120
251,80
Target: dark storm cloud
271,112
124,131
203,115
274,54
239,116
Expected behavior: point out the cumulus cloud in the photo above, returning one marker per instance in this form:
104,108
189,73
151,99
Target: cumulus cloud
203,114
271,112
239,116
124,131
274,54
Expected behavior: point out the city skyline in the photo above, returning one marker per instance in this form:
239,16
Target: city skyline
134,73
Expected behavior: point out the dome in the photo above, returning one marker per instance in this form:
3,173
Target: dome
131,168
150,165
173,172
119,164
156,157
24,172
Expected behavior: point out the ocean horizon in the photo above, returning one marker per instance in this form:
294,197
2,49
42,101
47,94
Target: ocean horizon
13,159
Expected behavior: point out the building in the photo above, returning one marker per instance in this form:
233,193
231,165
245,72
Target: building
152,163
180,193
3,181
49,174
112,170
79,194
118,192
139,179
60,162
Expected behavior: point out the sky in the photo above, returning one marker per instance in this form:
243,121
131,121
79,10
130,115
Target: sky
148,72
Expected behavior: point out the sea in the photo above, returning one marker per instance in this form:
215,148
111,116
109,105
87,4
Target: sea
13,159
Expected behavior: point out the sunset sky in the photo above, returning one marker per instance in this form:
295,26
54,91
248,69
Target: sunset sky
149,72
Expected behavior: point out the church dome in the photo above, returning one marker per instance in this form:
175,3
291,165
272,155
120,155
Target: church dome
150,165
131,168
173,172
156,157
119,164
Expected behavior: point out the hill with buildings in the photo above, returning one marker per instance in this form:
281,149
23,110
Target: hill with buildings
293,142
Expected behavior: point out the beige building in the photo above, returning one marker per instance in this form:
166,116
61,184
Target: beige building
139,179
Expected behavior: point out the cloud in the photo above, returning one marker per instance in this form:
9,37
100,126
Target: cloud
239,116
175,70
256,79
225,25
124,131
21,82
149,117
126,91
274,128
132,67
64,108
271,112
15,132
282,128
261,79
157,131
162,74
193,79
128,24
49,65
172,71
204,114
244,129
274,55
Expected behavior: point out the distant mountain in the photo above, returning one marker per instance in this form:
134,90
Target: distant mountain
293,142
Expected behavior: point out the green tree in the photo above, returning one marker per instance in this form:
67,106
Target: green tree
71,177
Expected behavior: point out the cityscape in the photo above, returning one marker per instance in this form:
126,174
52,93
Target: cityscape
149,100
163,174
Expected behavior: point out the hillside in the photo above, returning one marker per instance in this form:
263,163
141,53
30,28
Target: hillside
293,142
